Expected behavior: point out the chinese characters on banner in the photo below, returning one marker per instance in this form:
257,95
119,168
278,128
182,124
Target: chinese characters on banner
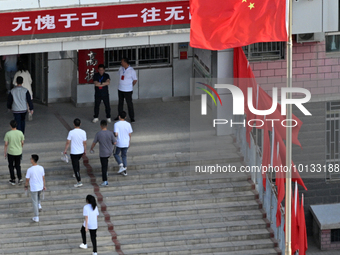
88,61
95,18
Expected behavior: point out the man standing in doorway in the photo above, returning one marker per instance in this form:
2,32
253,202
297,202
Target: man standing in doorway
106,141
35,176
10,63
127,79
101,87
14,141
122,130
17,101
77,139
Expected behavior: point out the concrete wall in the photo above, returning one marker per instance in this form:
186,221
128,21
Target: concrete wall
308,16
313,141
62,75
315,16
157,82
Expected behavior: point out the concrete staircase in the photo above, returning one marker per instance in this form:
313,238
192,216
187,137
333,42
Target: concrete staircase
161,207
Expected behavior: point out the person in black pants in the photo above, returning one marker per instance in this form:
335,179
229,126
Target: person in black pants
106,141
14,141
18,99
90,212
101,83
77,140
128,79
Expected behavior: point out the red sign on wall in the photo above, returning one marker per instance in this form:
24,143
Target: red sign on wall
94,18
88,61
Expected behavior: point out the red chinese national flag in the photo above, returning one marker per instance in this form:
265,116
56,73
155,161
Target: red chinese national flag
244,78
220,24
303,245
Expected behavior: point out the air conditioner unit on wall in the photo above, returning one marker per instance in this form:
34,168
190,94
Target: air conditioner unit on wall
310,37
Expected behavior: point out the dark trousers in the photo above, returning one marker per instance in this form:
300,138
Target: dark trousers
97,100
20,119
128,99
104,162
14,162
93,234
75,164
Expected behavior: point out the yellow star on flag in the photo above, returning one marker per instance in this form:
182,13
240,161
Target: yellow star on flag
244,1
251,6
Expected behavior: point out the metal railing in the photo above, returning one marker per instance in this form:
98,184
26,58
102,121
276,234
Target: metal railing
332,140
139,56
253,157
264,51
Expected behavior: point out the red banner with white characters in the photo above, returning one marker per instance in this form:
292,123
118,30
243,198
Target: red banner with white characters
94,18
88,61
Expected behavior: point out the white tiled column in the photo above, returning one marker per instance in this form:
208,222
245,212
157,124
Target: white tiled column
224,70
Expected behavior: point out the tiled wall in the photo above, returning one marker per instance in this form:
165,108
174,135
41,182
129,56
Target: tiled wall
312,69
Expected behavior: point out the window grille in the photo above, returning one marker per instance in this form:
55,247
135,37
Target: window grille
265,51
139,56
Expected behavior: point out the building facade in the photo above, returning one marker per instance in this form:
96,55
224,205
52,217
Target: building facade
65,40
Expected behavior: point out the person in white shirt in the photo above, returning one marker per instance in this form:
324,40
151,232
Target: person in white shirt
122,130
35,176
25,74
77,139
90,212
27,84
127,79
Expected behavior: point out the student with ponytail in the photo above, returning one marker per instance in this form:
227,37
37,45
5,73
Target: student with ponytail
91,213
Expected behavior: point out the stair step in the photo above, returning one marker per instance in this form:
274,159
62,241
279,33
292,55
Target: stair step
137,233
186,220
39,230
104,248
207,248
26,241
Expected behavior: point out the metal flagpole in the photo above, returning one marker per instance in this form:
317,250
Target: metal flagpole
288,216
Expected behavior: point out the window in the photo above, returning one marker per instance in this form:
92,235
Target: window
332,138
265,51
335,235
139,56
332,43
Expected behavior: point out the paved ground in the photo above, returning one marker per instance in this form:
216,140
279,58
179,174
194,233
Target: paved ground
155,118
152,119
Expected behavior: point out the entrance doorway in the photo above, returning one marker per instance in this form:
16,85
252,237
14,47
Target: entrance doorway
38,67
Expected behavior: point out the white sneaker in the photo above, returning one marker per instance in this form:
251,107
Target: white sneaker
35,219
79,184
121,168
95,120
124,173
94,253
40,208
83,246
108,120
104,184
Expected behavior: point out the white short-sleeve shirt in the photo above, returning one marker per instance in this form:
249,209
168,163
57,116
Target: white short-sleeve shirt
123,128
126,78
35,174
77,136
92,216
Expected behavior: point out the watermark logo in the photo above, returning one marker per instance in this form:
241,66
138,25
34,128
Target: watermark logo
204,97
238,99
